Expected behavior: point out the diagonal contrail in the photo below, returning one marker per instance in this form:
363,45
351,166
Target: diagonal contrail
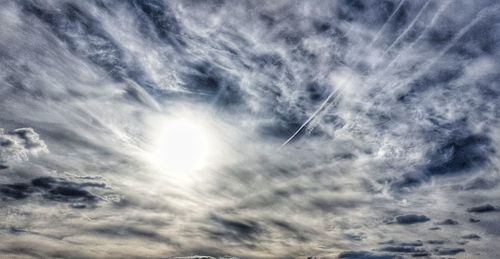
320,108
333,93
480,15
401,36
377,35
379,32
424,32
408,28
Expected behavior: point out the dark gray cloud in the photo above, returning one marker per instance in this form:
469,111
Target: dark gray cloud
471,236
54,189
482,208
447,222
365,255
409,219
449,251
461,154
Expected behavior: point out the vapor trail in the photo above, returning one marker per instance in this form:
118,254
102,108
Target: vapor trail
379,32
410,26
311,117
424,32
434,18
481,14
427,28
484,12
332,94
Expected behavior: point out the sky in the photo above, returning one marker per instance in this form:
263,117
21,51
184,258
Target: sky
250,129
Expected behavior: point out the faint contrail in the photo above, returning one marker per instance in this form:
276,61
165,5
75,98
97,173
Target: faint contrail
481,14
408,28
375,38
332,94
401,36
311,117
424,32
379,32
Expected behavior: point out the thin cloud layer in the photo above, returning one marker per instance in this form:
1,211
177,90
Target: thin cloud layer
345,129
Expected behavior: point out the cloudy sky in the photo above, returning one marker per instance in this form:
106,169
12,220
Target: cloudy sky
253,129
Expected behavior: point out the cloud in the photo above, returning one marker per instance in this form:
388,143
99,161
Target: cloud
395,105
402,243
55,189
365,255
235,230
449,251
409,219
482,208
471,236
461,154
403,249
447,222
17,145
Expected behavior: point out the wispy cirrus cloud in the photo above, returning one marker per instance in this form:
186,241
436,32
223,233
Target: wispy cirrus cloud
386,114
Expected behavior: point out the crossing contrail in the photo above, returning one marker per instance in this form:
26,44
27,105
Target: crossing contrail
408,28
320,108
377,35
338,90
424,32
481,14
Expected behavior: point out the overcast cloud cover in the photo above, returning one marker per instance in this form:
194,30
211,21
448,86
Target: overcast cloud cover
340,129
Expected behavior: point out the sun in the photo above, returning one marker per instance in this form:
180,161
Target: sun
182,146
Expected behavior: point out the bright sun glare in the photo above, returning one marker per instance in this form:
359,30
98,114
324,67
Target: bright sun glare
182,147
